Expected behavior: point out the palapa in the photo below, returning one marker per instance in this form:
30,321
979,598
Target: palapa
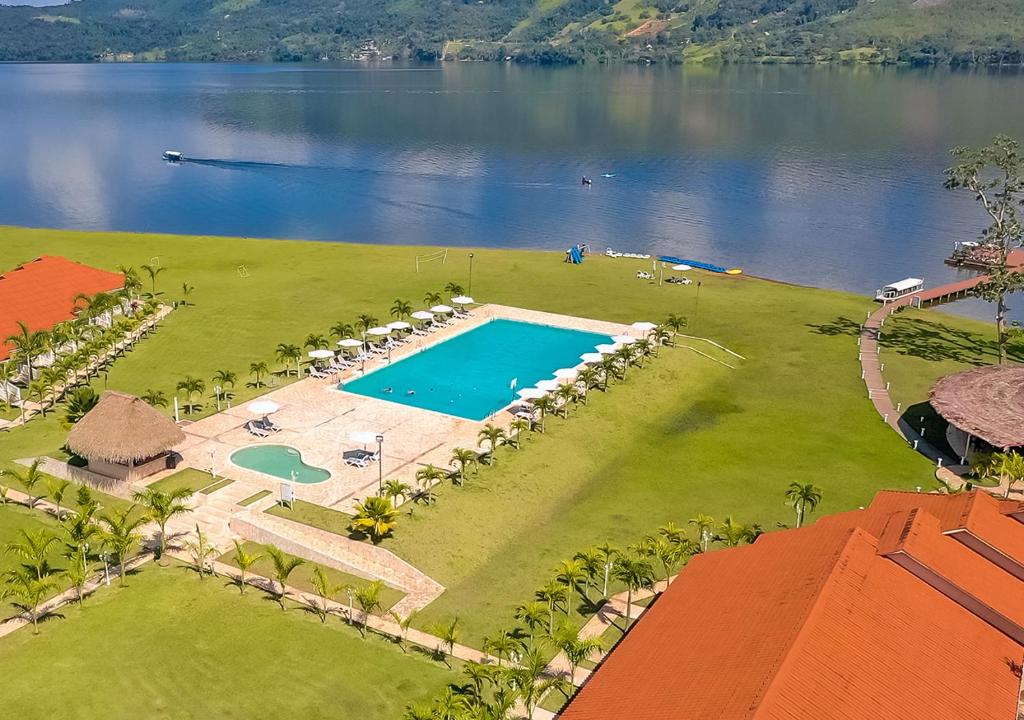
123,429
986,402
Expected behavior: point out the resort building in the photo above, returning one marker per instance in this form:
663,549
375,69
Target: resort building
984,408
907,610
42,293
123,438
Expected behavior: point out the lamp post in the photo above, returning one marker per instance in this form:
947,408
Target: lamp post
380,464
469,290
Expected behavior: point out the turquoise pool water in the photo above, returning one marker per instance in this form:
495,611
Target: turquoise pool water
280,461
469,375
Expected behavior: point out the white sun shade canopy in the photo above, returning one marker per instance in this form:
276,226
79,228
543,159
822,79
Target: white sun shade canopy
399,325
682,268
531,393
363,437
422,315
463,300
350,343
442,309
607,349
321,354
263,407
594,357
379,331
565,373
643,326
548,385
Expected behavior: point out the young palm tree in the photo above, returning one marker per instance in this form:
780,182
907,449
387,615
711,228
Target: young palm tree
624,357
545,404
532,614
121,535
453,289
186,291
572,574
401,309
160,507
432,298
153,273
27,479
156,398
675,323
258,370
426,478
26,345
316,341
448,634
77,571
364,322
287,353
517,426
609,554
462,458
342,330
526,679
374,517
494,436
576,649
502,645
80,401
394,489
243,561
404,623
552,594
40,388
29,591
704,524
324,590
34,548
634,574
609,366
368,597
225,378
592,562
202,552
284,565
731,533
642,348
804,498
589,378
566,393
57,489
191,386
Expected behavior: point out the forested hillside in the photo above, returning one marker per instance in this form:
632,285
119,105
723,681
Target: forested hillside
907,31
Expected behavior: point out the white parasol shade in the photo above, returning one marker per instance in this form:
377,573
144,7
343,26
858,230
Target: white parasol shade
463,300
682,268
321,354
624,339
350,343
643,326
607,349
363,437
399,325
378,331
263,407
422,315
441,309
531,393
566,373
594,357
548,385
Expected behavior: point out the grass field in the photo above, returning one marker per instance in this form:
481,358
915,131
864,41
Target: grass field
13,519
172,646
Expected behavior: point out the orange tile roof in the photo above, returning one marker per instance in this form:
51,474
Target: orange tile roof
41,293
817,624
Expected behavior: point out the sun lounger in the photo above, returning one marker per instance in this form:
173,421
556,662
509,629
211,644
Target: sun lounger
319,374
360,458
255,429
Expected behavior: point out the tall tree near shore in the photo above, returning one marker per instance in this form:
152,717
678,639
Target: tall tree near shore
804,497
995,174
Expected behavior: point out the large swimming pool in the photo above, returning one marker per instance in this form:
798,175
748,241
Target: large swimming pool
470,375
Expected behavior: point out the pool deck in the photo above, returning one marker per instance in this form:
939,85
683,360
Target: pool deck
316,419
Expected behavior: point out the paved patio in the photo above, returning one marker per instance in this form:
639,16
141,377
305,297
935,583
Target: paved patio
317,419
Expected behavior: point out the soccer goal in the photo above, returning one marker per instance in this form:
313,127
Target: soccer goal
243,271
441,255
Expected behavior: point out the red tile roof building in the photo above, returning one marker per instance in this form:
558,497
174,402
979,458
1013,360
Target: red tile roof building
41,293
912,609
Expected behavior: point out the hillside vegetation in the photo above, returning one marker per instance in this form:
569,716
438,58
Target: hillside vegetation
889,31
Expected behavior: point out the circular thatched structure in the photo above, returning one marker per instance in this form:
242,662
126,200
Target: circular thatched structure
986,403
125,438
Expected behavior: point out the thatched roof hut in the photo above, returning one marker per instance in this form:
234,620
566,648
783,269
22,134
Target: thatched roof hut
987,403
123,430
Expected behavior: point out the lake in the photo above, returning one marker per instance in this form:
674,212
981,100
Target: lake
822,176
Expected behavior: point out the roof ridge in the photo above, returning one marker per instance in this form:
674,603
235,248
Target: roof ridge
856,536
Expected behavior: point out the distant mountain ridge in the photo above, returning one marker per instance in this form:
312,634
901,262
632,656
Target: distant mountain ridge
776,31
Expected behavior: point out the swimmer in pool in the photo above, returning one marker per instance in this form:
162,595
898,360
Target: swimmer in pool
389,390
410,392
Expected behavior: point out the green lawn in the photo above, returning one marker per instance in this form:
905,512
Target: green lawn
189,478
315,515
246,502
185,648
302,577
13,519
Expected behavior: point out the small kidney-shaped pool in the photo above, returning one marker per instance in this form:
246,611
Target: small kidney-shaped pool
281,461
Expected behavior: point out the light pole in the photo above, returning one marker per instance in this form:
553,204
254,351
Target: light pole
380,464
469,290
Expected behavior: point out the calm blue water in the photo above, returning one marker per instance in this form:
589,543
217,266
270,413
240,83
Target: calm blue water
280,461
470,375
823,176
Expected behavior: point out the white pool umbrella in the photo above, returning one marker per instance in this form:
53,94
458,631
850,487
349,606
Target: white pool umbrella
263,407
363,437
321,354
566,373
422,315
681,268
607,349
531,393
548,385
594,357
624,339
643,326
463,300
441,309
399,325
350,343
379,331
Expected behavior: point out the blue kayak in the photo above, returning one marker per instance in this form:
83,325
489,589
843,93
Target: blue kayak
692,263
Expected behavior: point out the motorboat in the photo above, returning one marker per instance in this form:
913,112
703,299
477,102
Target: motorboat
173,156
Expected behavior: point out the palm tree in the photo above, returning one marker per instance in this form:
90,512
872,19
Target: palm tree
576,649
675,323
225,378
40,389
426,478
258,370
624,356
404,623
501,645
368,597
153,273
1005,467
28,479
572,574
525,679
243,561
448,633
545,404
731,533
30,591
394,489
552,594
121,535
284,565
285,354
588,377
57,489
517,426
342,330
132,282
401,309
324,590
704,524
375,517
365,322
532,614
592,562
186,290
609,554
77,571
156,398
608,366
462,458
634,574
493,435
432,298
453,289
160,507
566,393
34,547
191,386
202,552
316,341
804,498
80,401
26,344
642,348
